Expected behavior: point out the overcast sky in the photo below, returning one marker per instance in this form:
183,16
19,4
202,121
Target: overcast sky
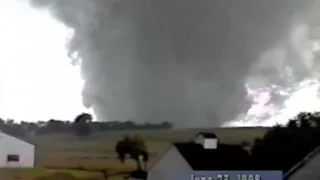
137,60
37,81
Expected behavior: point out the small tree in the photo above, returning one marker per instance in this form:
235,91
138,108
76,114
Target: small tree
134,147
292,123
305,119
82,124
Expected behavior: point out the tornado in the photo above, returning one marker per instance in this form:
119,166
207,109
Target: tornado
182,61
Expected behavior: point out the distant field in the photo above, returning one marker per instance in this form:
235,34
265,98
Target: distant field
97,151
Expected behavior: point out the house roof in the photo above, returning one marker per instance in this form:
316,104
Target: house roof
303,163
207,134
225,157
17,138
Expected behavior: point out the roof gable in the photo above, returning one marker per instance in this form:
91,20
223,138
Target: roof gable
15,138
225,157
167,156
207,134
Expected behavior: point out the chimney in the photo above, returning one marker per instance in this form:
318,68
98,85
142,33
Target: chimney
207,140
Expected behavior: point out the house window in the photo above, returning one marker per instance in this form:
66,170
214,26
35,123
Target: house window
13,158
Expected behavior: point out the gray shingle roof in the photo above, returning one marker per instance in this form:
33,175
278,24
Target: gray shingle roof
207,134
225,157
308,168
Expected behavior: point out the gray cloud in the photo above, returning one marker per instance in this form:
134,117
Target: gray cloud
184,61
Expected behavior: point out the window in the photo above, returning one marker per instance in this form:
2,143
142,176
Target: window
13,158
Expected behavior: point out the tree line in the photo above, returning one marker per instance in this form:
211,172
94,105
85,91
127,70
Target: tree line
82,125
284,146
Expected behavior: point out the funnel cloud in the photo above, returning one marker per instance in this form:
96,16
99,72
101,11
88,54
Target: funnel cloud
183,61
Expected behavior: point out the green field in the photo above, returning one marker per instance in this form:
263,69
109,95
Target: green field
97,151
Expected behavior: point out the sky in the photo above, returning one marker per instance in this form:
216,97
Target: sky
37,80
189,61
150,66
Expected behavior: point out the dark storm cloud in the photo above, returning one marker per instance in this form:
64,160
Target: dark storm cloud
184,61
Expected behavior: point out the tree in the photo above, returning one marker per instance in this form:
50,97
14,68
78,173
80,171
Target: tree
292,123
287,145
82,124
55,125
316,119
2,122
83,118
305,119
135,147
166,125
10,122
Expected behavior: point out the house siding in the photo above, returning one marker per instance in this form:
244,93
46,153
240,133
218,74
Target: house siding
172,162
309,171
13,146
199,139
210,143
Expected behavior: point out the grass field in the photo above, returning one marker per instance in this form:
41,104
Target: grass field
97,151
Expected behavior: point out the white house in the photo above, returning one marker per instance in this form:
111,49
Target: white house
208,140
204,153
16,153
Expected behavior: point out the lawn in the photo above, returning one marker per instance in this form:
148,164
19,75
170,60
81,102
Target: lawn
32,174
97,151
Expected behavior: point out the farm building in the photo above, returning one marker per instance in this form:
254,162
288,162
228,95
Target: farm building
16,153
204,153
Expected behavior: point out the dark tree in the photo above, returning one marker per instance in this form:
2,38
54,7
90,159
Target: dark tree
83,118
292,123
287,145
305,120
134,147
167,125
82,124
